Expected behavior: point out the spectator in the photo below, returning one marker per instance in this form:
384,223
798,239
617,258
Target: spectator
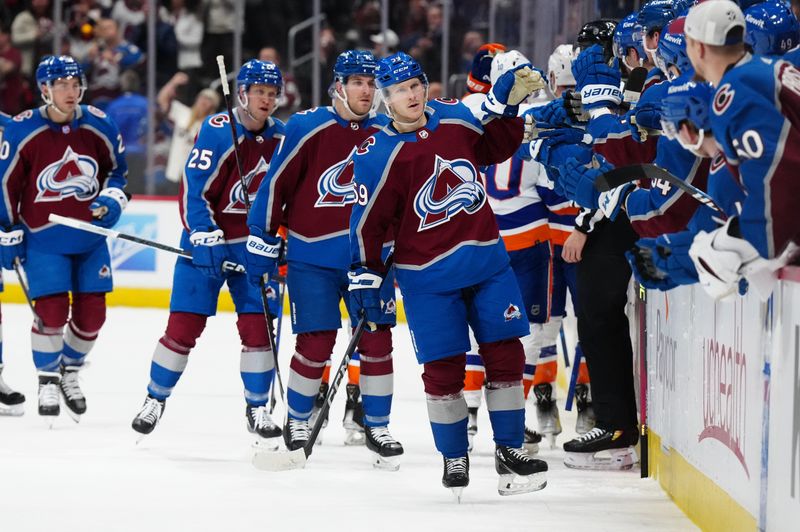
186,121
290,99
220,23
129,113
12,87
188,23
108,57
166,44
31,33
128,14
469,47
427,47
379,49
82,18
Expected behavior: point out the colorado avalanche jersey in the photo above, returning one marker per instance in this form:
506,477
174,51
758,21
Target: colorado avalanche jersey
756,120
211,193
58,168
424,186
311,180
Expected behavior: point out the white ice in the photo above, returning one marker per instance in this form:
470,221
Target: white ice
194,473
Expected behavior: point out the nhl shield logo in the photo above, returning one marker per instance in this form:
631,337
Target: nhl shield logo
236,204
335,185
453,187
512,312
74,175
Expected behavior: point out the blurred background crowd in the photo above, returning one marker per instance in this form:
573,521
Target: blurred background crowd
151,65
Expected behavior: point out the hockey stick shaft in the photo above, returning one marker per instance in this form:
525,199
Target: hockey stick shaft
227,266
281,292
23,283
573,379
564,350
223,78
643,383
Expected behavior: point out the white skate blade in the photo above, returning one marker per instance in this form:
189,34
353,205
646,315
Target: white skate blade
75,417
611,459
385,463
532,448
49,421
511,484
280,460
266,444
457,494
12,410
470,442
354,437
551,439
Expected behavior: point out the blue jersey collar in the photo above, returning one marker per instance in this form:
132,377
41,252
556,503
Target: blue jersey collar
411,136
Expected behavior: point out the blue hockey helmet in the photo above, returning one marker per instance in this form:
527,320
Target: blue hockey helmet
681,7
687,101
655,14
398,68
53,67
627,35
256,71
672,49
771,28
744,4
354,62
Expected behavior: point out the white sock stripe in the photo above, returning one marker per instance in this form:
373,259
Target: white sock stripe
256,361
77,343
47,343
159,390
308,362
256,397
377,420
298,415
374,360
446,410
377,385
506,398
303,385
169,359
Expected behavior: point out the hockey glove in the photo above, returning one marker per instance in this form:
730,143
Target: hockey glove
598,83
263,252
511,88
644,269
12,245
107,207
719,257
365,296
573,107
576,180
645,120
209,251
553,113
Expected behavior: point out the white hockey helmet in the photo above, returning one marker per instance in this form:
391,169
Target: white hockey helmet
559,67
506,61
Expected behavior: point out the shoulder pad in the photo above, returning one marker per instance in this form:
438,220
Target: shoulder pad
95,111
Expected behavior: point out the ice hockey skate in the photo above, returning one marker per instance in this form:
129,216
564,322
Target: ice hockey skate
519,473
384,448
319,401
531,441
49,404
72,393
296,433
259,422
456,475
11,403
583,399
472,427
547,412
353,421
148,417
602,449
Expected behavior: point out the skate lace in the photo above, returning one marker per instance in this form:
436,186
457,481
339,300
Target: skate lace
69,385
48,394
518,454
593,434
151,410
456,466
381,435
263,419
299,429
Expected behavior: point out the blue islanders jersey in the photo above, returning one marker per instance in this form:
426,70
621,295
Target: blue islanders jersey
309,186
211,193
425,188
58,168
756,121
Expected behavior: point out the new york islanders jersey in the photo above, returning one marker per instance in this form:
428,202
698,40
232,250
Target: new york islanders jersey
211,192
310,183
58,168
424,186
756,120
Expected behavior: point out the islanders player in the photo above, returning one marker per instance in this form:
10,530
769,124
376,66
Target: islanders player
417,179
68,159
213,212
310,185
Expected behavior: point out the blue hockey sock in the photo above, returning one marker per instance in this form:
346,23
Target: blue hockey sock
377,387
165,370
77,345
257,367
47,346
448,417
506,404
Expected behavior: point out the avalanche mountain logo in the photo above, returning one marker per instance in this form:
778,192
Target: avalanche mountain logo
74,175
512,312
236,204
335,185
454,186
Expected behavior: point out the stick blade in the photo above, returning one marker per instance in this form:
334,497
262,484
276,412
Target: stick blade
619,176
279,461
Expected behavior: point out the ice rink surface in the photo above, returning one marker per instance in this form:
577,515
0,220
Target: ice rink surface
194,473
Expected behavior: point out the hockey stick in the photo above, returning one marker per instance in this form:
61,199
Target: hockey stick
635,86
281,292
226,91
23,283
573,379
227,266
644,469
281,461
564,345
627,174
